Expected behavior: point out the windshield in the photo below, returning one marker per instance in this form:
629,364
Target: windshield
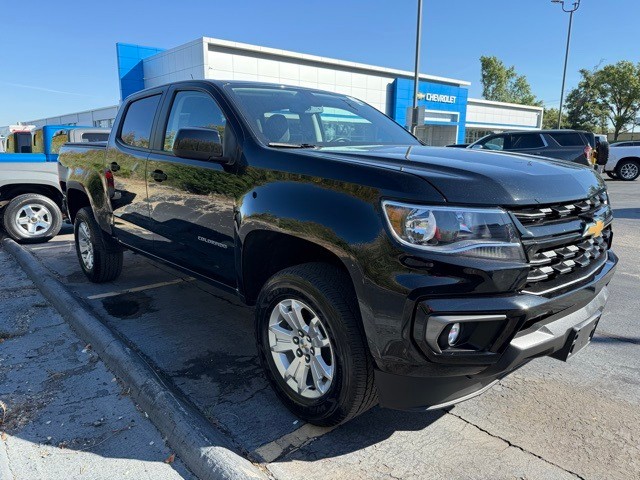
288,116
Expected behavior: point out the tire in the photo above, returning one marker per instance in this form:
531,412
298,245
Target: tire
612,175
602,154
100,256
628,170
32,218
324,291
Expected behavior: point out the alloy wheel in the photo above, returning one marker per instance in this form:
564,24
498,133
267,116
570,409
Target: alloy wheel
629,170
33,220
85,245
301,348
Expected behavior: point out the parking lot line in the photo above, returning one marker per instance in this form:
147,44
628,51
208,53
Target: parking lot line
48,247
139,289
291,441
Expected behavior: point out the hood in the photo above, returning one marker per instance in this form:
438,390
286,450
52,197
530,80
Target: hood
480,177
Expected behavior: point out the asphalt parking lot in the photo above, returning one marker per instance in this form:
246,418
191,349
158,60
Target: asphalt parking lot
548,420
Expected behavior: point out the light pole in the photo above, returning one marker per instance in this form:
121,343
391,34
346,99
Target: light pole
574,6
416,77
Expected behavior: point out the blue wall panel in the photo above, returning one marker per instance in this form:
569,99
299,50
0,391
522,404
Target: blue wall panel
130,66
402,91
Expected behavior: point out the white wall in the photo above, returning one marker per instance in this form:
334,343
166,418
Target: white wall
87,118
185,62
223,64
497,114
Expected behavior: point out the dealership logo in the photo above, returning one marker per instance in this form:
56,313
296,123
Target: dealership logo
435,97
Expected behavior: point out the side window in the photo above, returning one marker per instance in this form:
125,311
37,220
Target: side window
193,109
59,138
568,139
38,143
496,143
521,141
136,128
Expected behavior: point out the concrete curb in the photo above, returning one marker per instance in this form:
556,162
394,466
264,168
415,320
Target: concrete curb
206,451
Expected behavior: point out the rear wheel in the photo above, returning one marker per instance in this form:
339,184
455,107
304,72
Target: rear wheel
32,218
628,170
311,344
100,256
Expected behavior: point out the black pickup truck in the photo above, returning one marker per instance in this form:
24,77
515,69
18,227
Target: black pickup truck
381,270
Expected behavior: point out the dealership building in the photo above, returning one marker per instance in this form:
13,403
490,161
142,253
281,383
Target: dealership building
450,116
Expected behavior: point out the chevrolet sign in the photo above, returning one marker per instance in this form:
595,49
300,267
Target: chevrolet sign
435,97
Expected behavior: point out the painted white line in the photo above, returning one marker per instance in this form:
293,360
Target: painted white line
139,289
291,441
634,275
48,247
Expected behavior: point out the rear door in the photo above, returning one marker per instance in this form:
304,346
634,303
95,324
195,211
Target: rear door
531,143
192,201
569,145
126,163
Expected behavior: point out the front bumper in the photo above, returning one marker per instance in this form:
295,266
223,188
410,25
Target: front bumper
456,380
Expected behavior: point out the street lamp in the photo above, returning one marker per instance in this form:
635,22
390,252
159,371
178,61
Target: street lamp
574,6
414,106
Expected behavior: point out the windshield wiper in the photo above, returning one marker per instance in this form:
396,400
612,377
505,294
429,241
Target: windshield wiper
291,145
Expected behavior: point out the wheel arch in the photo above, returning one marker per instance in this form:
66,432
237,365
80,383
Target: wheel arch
77,198
260,259
10,191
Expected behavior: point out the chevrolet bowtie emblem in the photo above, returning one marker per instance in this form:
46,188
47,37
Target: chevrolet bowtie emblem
593,229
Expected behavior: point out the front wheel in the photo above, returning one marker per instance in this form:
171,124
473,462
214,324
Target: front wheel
312,346
100,256
32,218
628,170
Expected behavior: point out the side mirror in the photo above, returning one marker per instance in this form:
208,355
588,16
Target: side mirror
198,144
476,147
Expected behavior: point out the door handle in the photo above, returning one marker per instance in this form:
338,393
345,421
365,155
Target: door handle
114,167
158,175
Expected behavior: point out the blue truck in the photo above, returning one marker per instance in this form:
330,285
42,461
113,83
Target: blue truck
30,195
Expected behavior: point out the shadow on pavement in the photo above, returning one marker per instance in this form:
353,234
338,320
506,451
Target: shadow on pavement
630,213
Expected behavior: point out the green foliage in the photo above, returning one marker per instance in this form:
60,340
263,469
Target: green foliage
502,84
550,119
584,112
618,93
605,96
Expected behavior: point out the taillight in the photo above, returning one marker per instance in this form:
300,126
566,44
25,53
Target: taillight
108,174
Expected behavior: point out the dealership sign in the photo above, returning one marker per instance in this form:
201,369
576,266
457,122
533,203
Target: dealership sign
435,97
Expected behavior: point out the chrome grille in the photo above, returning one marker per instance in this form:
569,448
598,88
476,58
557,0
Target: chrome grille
554,239
540,215
551,263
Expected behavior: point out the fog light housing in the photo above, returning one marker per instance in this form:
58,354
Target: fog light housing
454,334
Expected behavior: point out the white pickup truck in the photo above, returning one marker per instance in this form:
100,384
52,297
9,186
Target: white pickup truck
624,161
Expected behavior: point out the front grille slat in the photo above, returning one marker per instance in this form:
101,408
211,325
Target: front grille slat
557,259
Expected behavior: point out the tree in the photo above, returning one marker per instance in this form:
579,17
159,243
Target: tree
583,109
550,119
618,93
502,84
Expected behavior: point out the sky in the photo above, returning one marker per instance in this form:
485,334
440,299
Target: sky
59,57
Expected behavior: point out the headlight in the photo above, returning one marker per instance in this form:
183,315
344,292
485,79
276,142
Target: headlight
477,232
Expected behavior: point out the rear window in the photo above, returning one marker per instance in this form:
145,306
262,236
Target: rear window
138,120
568,139
95,137
524,141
